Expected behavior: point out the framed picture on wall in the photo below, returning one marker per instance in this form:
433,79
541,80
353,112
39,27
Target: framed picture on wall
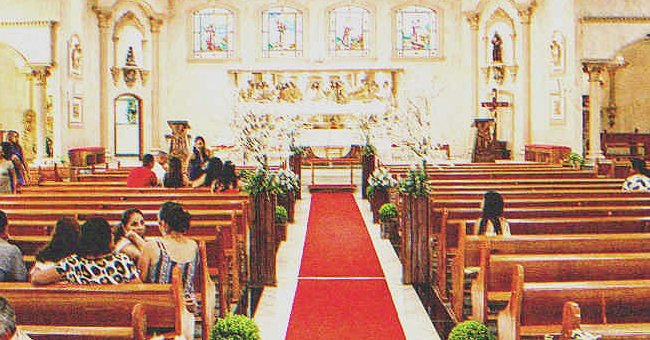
75,112
557,109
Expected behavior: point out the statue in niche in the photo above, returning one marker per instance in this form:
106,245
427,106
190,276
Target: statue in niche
130,57
385,93
76,58
315,92
556,53
497,48
337,91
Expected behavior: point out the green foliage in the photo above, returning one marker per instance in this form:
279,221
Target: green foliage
414,183
380,179
287,181
297,150
281,214
368,150
470,330
575,160
260,181
387,212
235,327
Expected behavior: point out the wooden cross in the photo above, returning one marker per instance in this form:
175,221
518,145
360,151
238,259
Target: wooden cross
493,105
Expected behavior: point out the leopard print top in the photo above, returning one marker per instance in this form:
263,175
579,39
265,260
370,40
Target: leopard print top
109,269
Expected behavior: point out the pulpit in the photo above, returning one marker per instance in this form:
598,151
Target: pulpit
179,139
484,142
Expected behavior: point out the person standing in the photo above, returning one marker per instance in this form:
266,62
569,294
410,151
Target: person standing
8,177
143,176
17,157
12,266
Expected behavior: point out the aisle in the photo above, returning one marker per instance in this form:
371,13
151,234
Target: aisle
342,292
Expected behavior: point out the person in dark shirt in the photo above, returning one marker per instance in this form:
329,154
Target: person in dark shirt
143,176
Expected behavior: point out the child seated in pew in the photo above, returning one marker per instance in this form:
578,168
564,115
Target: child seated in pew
12,266
94,262
172,249
129,234
64,242
492,222
640,178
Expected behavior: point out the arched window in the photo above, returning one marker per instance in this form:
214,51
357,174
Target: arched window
213,33
349,31
128,125
282,32
417,32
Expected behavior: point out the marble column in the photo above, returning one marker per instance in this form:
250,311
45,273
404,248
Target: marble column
104,23
473,20
40,75
155,81
594,70
523,133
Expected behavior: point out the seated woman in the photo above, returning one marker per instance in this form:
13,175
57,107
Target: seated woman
228,177
640,178
8,175
172,249
198,159
64,242
492,222
174,177
94,262
129,235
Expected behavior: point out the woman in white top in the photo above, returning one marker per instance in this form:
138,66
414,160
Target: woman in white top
129,235
492,222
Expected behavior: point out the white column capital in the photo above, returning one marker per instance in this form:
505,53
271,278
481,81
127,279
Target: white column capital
103,18
40,74
473,18
594,70
525,14
155,24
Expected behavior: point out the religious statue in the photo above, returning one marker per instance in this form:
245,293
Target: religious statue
75,58
282,30
497,48
556,53
130,57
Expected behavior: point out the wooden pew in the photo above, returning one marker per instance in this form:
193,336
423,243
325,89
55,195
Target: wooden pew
508,195
98,311
494,278
613,308
468,253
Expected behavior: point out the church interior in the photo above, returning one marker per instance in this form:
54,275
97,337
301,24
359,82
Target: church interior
425,106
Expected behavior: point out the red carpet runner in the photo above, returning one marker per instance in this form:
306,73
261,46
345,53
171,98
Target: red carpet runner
342,293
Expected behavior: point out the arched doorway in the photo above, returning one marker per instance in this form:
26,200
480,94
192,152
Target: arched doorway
15,97
128,125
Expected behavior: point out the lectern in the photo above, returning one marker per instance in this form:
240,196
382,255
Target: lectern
484,142
179,139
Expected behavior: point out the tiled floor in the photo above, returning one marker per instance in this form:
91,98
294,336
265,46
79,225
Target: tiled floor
274,307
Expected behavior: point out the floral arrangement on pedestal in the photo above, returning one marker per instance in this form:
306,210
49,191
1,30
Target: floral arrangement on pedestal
415,183
286,180
378,190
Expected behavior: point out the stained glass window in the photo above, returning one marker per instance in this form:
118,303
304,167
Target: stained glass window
349,31
282,32
214,33
417,32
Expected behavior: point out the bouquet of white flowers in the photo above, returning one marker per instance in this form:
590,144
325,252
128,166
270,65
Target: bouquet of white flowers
286,180
380,179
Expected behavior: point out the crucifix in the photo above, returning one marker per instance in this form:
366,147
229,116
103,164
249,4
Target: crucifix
492,106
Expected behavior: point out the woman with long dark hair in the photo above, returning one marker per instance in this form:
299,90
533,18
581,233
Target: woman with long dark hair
174,177
198,159
64,242
129,234
492,222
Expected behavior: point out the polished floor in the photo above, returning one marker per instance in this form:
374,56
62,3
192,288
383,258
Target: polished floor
274,309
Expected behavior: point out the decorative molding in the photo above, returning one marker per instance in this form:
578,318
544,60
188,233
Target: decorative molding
103,18
473,19
594,69
615,20
155,24
28,23
525,14
41,74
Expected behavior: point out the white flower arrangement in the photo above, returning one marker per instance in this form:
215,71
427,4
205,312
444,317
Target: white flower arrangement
380,179
583,335
286,180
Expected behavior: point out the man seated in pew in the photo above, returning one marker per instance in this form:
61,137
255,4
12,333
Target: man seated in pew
64,242
12,266
129,234
94,262
492,222
172,249
143,176
8,328
640,178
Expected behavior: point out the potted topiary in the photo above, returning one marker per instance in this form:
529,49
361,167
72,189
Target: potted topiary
574,160
235,327
281,218
379,184
388,218
470,330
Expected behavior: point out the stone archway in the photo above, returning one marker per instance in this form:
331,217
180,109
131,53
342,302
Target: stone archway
15,97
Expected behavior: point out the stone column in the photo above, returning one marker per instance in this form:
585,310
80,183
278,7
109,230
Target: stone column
594,71
104,23
40,75
611,108
155,81
523,133
473,20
